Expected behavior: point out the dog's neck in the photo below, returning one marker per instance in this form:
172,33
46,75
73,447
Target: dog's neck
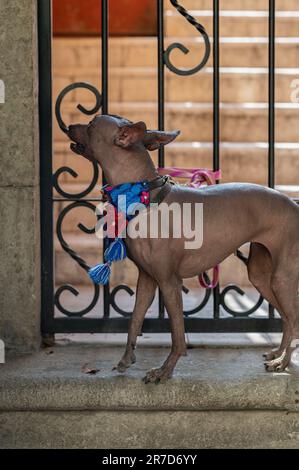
126,166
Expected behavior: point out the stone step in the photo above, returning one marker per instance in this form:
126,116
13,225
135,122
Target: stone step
68,53
195,120
233,23
139,84
240,4
241,161
219,397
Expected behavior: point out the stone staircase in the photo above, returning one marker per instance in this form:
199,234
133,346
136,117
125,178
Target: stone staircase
243,92
219,397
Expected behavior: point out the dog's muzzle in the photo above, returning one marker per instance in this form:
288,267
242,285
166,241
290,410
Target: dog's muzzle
78,148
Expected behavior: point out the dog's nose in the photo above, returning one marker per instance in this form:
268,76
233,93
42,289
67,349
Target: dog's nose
77,133
72,131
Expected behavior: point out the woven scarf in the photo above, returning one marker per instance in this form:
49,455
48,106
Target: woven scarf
126,198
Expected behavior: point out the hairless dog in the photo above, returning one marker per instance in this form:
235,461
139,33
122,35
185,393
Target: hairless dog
233,214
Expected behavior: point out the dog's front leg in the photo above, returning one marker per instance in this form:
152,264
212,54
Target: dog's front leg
145,294
172,294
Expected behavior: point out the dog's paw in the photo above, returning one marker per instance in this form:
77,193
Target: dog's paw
125,363
274,354
157,376
121,367
279,364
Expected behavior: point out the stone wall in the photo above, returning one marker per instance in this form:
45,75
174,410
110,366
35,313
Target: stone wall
19,178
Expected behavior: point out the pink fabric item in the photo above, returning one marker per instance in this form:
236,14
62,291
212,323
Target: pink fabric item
197,177
214,282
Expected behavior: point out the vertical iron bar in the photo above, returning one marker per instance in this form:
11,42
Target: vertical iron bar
216,116
216,140
271,156
105,33
271,121
161,76
161,101
46,189
105,36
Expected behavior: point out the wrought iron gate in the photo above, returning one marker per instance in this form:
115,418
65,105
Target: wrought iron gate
231,321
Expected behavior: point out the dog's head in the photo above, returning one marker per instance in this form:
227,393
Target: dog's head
115,135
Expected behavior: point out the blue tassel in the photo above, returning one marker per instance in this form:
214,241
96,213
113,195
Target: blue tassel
116,251
100,273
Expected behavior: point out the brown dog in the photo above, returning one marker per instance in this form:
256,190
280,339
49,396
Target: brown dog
233,214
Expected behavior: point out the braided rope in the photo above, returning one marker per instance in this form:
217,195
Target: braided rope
188,17
185,50
74,255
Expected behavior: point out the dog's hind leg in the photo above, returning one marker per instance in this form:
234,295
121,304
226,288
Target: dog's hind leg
260,268
285,285
145,294
171,288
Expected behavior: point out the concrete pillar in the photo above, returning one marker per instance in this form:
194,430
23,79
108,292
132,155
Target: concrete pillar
19,178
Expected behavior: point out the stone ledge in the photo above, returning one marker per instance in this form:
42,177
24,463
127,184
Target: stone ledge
207,379
149,430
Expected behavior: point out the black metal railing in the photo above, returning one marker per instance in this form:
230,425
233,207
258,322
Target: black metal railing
103,300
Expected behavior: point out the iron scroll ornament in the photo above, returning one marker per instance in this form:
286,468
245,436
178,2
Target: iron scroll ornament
222,296
130,292
76,204
64,129
76,258
238,290
238,314
81,108
184,49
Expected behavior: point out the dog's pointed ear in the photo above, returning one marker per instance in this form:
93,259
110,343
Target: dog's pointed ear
156,139
129,134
